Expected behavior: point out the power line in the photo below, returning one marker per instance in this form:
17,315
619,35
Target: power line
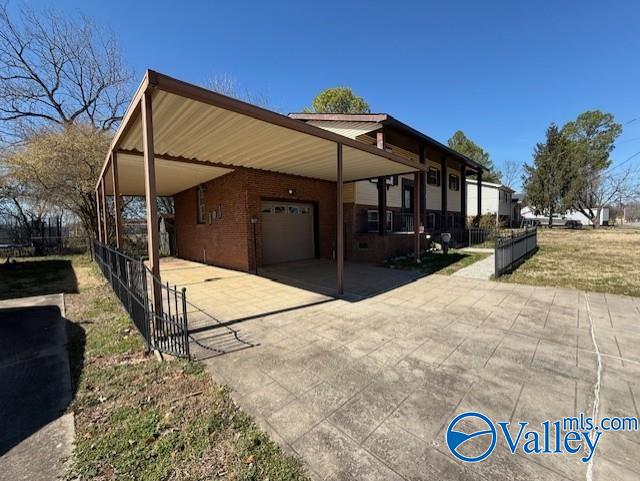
628,159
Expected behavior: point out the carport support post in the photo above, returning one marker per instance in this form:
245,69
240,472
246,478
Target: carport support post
339,222
423,186
463,195
116,198
151,202
99,224
382,192
105,225
416,216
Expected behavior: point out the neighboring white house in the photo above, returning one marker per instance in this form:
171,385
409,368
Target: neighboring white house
561,219
496,200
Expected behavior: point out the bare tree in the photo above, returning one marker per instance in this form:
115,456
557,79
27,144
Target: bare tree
228,85
63,89
602,189
511,173
58,70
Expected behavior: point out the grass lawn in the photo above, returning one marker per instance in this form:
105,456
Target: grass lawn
137,418
437,262
600,260
38,276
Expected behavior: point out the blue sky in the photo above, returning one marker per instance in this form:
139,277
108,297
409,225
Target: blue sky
501,71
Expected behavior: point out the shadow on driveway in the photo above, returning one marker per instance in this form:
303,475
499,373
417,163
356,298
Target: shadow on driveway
36,385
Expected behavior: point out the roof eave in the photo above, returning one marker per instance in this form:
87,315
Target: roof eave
156,80
392,121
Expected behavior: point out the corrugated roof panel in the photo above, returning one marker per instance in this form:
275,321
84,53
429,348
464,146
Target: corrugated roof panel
191,129
348,129
171,177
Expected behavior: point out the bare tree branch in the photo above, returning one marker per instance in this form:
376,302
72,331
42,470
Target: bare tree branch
57,69
512,172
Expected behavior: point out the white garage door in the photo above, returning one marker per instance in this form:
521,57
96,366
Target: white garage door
287,232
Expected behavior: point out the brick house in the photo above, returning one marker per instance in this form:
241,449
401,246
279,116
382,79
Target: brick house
253,187
443,202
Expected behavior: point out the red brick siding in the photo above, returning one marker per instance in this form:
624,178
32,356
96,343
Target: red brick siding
271,186
376,248
229,241
224,242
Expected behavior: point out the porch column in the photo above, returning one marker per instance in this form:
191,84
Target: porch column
479,196
98,222
423,187
416,216
116,199
463,195
105,223
382,192
150,198
339,222
443,189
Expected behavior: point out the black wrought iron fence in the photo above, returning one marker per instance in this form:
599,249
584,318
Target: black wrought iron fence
158,310
478,237
169,318
403,222
512,250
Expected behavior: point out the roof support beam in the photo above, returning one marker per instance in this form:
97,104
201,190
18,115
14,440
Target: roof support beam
98,223
463,195
339,221
105,223
382,192
116,199
416,216
444,190
153,244
423,183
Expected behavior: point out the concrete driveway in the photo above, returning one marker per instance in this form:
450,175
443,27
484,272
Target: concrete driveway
36,437
365,390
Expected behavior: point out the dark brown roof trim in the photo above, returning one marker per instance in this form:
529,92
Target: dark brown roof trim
340,117
385,119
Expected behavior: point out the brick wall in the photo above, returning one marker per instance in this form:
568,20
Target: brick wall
224,242
228,242
271,186
376,248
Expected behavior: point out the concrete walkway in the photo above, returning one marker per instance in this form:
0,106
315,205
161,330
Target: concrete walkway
365,390
483,269
36,437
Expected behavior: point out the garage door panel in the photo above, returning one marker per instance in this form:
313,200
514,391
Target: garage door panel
287,232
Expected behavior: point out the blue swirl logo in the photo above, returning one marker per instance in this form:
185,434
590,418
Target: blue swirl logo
475,444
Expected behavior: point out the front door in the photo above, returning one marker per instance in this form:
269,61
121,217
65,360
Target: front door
407,196
407,206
